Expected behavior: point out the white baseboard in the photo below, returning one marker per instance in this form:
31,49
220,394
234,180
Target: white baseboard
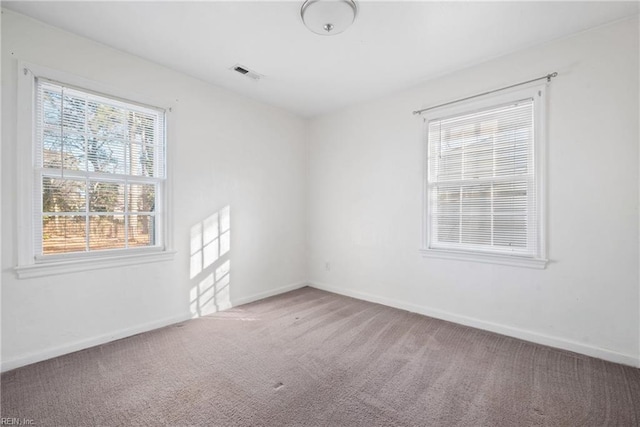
127,332
557,342
90,342
535,337
269,293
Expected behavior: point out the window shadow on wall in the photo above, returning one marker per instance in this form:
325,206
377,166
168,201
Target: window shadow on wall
210,265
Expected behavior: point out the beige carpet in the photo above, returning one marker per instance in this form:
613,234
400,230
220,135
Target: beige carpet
312,358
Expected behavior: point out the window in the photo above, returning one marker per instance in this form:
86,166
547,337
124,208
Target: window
97,181
484,180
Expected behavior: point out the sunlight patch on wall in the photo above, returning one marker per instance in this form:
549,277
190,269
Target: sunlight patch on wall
210,239
210,268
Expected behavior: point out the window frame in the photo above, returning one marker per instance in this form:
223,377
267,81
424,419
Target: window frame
30,264
537,92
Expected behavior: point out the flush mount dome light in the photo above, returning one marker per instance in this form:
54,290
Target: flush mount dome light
328,17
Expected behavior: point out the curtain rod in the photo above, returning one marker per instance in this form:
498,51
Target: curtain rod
548,77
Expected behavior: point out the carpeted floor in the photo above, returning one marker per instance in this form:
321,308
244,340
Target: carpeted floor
312,358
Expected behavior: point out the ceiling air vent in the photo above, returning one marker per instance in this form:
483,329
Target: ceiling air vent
246,72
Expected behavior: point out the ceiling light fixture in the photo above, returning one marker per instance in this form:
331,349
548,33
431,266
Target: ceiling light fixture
328,17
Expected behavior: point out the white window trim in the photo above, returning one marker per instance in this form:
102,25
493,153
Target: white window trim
27,264
539,94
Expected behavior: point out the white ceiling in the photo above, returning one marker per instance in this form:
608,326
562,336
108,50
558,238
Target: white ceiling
392,45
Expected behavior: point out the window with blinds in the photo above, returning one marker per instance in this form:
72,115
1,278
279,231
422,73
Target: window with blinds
99,172
482,183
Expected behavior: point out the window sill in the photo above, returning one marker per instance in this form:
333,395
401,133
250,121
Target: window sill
85,264
514,261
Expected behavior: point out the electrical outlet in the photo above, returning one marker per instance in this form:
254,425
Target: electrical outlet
327,266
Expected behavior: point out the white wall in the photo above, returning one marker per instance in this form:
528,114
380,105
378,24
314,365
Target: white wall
365,202
227,151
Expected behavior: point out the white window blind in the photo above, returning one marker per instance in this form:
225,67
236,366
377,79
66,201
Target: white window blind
99,172
481,181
